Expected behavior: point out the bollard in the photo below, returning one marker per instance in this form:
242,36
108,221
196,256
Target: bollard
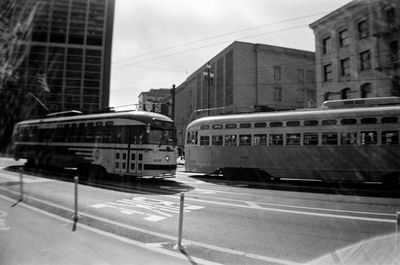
75,217
181,220
21,177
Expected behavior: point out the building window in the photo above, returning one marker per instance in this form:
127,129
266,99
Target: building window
328,72
344,93
343,38
345,67
365,90
394,51
277,72
300,95
362,27
278,94
326,45
300,75
365,60
390,17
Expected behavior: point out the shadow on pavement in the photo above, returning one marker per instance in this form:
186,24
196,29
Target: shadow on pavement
370,189
110,182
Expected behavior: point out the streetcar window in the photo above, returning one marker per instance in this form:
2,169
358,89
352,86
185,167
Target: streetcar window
292,123
260,139
348,138
245,139
230,126
329,122
217,126
204,140
348,121
230,140
369,120
245,125
276,124
389,119
310,122
260,124
107,135
216,140
310,139
89,136
162,136
368,137
119,135
205,127
276,139
109,123
390,137
293,139
98,124
90,124
329,138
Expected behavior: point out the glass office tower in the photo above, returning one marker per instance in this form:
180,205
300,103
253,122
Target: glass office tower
69,55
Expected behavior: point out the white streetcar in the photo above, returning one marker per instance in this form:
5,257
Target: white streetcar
344,140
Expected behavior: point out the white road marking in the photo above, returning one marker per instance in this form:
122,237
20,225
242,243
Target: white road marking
339,216
160,209
3,226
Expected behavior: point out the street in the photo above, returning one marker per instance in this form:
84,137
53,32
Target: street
224,222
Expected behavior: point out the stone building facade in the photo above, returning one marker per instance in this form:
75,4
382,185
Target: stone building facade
357,51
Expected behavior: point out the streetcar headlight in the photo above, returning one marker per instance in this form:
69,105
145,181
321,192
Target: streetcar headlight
167,157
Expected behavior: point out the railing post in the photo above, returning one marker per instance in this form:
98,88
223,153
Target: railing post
75,217
397,236
21,177
181,220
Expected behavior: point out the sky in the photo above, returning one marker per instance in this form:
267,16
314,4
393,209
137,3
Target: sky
159,43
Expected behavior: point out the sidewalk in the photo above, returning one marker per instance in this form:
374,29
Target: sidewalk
31,236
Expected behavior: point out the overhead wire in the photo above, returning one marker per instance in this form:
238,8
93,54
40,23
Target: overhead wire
214,44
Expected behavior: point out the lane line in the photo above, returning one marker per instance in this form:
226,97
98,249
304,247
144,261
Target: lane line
113,236
173,238
348,217
257,205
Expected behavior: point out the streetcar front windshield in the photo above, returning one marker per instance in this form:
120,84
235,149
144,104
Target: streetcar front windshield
162,136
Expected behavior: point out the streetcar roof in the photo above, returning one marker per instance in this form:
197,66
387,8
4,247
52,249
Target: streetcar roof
143,116
302,114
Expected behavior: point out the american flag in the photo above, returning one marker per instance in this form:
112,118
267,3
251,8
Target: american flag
41,78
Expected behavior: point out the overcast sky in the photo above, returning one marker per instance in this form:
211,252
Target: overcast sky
158,43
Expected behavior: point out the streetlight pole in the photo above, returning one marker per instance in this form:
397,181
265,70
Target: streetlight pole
209,76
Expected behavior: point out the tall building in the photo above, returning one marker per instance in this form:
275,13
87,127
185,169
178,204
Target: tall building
246,77
69,52
357,51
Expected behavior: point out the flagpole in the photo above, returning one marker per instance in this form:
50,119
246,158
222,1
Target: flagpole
39,101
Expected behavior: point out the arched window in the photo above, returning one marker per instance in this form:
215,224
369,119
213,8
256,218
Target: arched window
327,95
344,93
365,90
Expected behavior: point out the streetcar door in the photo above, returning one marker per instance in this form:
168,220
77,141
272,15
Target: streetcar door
121,150
136,151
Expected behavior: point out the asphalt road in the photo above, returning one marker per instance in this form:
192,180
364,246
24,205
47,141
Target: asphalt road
224,222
